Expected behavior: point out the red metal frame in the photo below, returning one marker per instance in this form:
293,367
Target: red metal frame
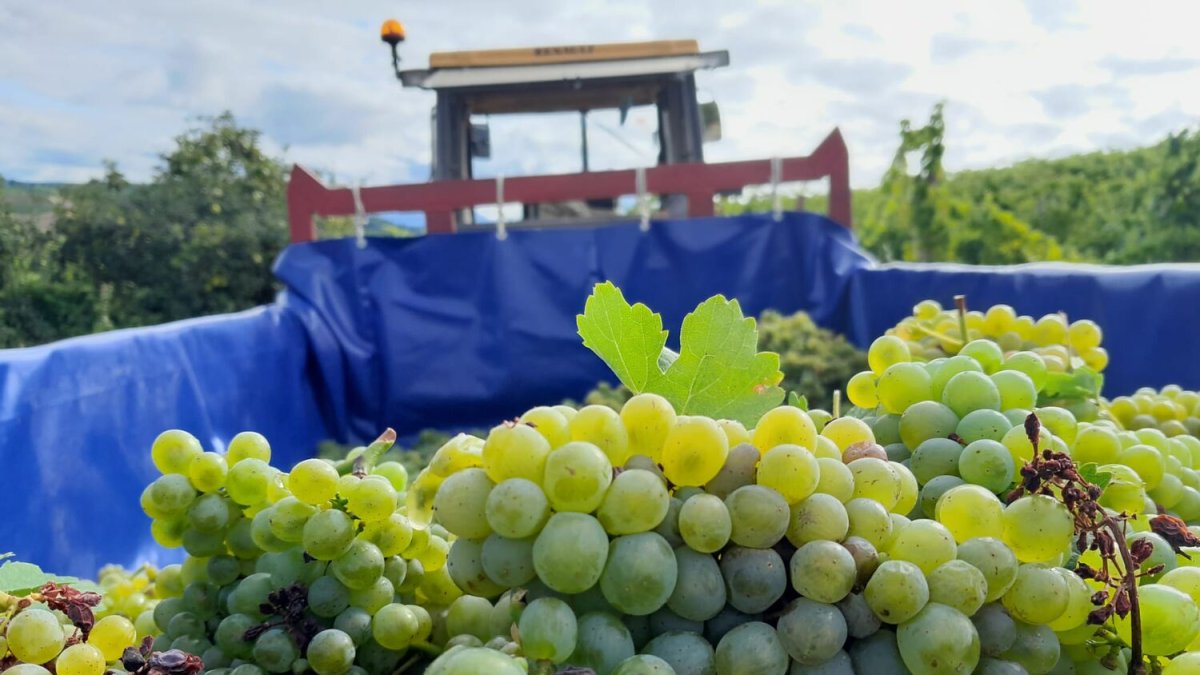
308,197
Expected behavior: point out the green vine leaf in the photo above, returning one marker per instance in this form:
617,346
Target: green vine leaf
1082,383
798,401
22,578
1091,473
717,372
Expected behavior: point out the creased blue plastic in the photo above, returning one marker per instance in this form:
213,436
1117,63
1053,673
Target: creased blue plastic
77,419
465,331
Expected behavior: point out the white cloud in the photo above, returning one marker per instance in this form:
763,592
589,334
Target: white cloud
83,81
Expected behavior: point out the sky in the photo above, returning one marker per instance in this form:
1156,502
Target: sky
84,81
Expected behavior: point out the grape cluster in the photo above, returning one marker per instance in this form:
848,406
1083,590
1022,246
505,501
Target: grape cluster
55,629
316,569
1172,410
932,332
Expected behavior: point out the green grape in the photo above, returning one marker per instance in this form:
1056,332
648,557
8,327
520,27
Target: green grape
860,620
1016,389
861,390
1016,416
470,615
836,480
433,556
640,573
1168,493
948,369
313,481
1172,614
939,639
248,480
474,660
1186,579
550,423
925,420
1029,363
969,391
1037,595
750,649
327,597
869,520
464,451
983,424
515,451
570,552
602,427
1036,648
111,635
395,626
789,470
249,595
202,544
1126,491
997,630
910,491
548,630
897,591
35,635
170,495
811,632
274,651
173,451
461,503
935,457
373,498
1187,663
886,429
359,566
694,451
683,651
636,501
970,511
875,479
331,652
759,516
846,431
997,562
508,562
1161,556
288,517
958,584
517,508
820,517
392,535
373,597
644,664
80,659
261,534
903,385
240,538
784,425
354,622
647,419
986,463
925,543
735,432
699,592
248,445
987,353
209,513
933,491
223,569
207,472
823,571
603,642
877,653
739,469
704,523
394,472
827,448
577,476
328,534
1079,603
1019,446
1038,528
1146,461
886,351
1096,444
247,669
754,578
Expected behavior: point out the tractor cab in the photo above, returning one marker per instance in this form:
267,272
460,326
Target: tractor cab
472,86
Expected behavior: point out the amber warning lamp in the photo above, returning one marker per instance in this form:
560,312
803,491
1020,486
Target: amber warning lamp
392,32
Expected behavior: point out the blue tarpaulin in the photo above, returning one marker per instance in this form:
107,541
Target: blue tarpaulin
467,330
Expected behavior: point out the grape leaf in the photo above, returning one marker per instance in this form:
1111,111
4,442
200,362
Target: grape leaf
630,339
22,578
798,401
1082,383
718,371
1091,473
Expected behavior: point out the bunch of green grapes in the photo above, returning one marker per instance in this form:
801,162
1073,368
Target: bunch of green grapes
315,569
38,636
128,593
932,332
1172,410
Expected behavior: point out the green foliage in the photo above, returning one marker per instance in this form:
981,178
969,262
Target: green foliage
814,361
718,371
22,578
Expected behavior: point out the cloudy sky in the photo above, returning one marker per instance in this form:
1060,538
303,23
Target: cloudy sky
82,81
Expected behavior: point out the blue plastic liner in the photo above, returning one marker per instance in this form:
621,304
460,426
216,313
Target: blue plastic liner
467,330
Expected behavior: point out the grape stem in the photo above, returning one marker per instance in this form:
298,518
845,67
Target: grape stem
1135,610
374,452
960,301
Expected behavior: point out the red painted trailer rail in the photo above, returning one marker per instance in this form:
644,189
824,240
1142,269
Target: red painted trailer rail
308,197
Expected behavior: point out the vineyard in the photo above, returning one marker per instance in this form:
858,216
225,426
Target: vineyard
968,502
